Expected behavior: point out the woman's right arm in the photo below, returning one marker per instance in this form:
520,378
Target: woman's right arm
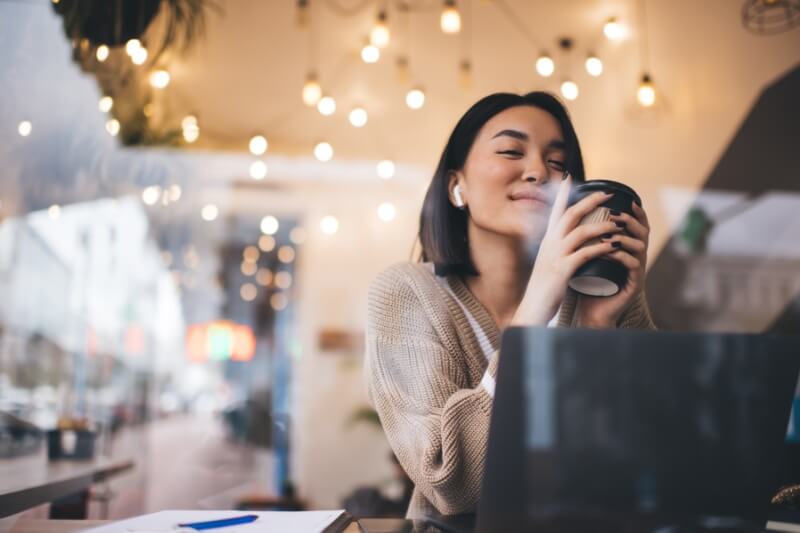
435,423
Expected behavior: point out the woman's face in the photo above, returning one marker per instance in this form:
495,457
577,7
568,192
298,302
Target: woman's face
512,172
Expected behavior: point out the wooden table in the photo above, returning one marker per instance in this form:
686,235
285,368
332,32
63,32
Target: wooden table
31,481
72,526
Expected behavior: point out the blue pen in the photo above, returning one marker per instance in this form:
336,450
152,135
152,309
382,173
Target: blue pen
223,522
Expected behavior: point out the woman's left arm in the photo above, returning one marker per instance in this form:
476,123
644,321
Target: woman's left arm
628,308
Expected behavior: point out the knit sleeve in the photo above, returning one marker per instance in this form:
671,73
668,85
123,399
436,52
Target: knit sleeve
637,316
436,424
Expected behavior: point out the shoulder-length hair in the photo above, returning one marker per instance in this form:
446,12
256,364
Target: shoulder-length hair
442,226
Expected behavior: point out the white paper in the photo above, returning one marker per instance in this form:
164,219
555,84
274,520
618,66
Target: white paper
268,522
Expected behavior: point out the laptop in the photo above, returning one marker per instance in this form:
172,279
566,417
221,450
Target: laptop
625,430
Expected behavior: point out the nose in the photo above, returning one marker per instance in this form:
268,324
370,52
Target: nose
536,171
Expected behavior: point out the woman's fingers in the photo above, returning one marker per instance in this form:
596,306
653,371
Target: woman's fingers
633,225
585,232
560,202
579,257
641,214
573,215
629,261
631,244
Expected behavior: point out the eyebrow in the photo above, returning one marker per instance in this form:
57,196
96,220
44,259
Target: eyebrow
555,144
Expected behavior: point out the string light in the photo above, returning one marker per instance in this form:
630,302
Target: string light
151,194
248,292
258,170
312,91
450,20
545,65
593,65
264,277
209,213
358,117
191,131
175,193
370,53
54,211
131,46
251,254
379,36
283,279
614,30
266,243
386,212
269,225
102,53
112,127
385,169
105,104
258,145
415,98
248,268
329,225
326,106
139,56
569,90
24,128
646,93
323,152
297,235
286,254
278,301
159,79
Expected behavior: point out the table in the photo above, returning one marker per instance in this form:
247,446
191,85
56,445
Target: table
71,526
31,481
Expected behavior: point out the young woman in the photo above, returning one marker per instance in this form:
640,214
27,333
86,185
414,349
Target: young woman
499,246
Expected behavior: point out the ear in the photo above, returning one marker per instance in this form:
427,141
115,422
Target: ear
456,178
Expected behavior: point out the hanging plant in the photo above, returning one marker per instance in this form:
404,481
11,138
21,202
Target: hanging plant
115,22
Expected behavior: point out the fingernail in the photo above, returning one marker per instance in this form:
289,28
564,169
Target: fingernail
616,244
619,224
607,236
614,213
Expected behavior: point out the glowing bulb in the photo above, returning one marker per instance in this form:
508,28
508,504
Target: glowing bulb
297,235
105,104
326,106
329,225
450,20
278,301
312,91
266,243
189,121
614,30
209,212
25,128
159,79
102,53
370,53
54,211
385,169
545,65
112,126
646,94
131,46
269,225
151,194
415,98
264,277
569,90
594,66
251,254
258,170
283,280
190,135
358,117
323,152
379,36
386,212
286,254
258,145
248,292
248,268
139,56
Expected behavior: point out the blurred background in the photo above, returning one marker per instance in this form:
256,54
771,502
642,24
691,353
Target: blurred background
195,195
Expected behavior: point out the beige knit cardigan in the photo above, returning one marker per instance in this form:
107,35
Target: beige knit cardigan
424,366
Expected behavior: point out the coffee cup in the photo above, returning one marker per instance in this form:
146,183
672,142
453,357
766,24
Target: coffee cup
602,276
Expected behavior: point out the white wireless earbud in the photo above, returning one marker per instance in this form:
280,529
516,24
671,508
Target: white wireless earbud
457,196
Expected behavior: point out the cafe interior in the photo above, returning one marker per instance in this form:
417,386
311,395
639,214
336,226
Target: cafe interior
195,196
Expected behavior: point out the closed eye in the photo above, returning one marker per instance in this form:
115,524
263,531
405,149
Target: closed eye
558,164
512,153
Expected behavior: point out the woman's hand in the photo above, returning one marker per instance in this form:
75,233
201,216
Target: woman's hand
560,255
605,311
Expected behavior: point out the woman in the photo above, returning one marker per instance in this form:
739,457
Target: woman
500,190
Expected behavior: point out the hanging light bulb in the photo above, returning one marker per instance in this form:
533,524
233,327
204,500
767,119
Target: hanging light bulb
386,211
191,131
112,127
646,94
593,65
450,20
370,53
312,91
545,65
258,170
569,90
139,56
415,98
358,117
323,152
102,53
105,104
385,169
24,128
131,46
326,105
258,145
159,79
614,30
379,36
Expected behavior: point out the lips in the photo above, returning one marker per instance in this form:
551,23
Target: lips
535,196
